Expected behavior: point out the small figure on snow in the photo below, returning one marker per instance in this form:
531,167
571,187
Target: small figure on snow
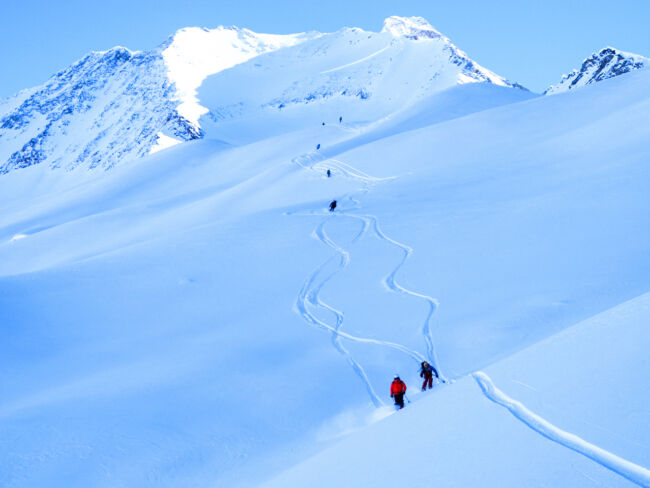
340,119
427,371
332,205
329,173
323,123
317,147
397,391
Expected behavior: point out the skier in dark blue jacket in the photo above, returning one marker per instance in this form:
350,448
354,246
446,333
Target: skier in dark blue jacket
427,372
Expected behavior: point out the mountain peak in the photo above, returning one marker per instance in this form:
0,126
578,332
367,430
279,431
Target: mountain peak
604,64
141,101
411,27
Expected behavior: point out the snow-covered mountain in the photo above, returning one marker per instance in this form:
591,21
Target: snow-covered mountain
198,317
117,105
352,73
107,106
607,63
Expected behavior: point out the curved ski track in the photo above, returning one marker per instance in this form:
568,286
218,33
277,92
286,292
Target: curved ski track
309,295
633,472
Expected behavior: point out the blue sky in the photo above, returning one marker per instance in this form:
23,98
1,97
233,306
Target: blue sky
532,42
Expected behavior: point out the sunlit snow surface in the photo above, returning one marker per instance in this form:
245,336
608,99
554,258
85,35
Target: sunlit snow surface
164,142
199,318
195,53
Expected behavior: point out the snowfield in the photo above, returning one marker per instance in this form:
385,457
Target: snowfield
197,317
456,436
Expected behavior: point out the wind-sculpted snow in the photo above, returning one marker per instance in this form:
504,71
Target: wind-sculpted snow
633,472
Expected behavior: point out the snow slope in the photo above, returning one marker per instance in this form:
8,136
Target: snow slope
456,436
199,318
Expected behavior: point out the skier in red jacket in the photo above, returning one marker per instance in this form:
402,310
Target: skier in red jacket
397,391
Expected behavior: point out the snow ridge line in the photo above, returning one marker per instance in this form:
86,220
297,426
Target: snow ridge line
633,472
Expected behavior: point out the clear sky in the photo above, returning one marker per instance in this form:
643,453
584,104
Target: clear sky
532,42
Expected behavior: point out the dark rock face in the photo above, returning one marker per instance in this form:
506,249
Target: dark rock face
600,66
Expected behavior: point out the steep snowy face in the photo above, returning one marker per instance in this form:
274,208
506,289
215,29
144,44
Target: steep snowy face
116,105
359,75
192,54
107,106
417,28
600,66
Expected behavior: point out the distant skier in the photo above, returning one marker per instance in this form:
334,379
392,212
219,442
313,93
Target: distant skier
427,372
397,391
340,119
317,147
332,205
329,173
323,123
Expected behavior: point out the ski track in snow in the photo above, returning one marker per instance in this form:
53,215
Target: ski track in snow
391,284
370,56
309,295
633,472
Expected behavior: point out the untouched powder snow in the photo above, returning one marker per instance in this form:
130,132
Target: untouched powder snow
199,318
